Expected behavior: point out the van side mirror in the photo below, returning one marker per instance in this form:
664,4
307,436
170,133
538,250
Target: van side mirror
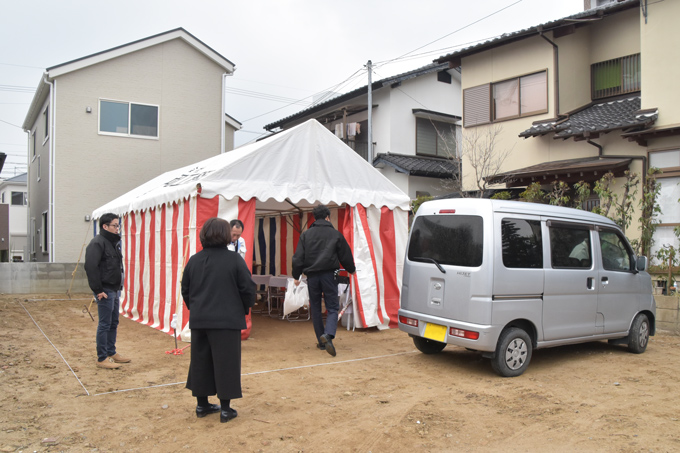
641,263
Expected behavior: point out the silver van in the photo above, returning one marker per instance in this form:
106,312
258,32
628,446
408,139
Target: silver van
507,277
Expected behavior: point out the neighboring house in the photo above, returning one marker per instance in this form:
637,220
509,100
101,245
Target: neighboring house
415,116
581,96
103,124
13,238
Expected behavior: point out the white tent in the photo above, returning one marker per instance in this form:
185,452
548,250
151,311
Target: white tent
269,185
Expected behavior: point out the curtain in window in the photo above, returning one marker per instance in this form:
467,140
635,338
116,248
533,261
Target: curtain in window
534,89
506,99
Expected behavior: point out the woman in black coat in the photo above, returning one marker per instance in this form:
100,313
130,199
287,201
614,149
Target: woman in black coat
218,291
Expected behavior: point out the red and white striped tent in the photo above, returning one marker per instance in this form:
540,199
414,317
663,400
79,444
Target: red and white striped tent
271,186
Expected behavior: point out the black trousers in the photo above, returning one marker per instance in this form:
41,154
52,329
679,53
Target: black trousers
215,366
324,284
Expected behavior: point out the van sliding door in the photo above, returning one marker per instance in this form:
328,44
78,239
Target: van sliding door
570,298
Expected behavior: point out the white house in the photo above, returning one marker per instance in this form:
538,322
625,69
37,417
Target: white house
13,241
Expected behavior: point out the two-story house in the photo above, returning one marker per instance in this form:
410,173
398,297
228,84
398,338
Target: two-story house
414,121
13,213
580,96
103,124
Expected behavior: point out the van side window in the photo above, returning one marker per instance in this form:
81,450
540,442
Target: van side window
615,254
570,248
457,240
522,245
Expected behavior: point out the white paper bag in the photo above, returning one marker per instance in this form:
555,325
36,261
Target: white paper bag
296,297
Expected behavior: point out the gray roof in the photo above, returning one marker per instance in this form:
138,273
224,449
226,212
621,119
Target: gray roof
433,167
623,113
576,20
432,67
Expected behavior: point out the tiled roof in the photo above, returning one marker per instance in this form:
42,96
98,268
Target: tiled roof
434,167
602,117
432,67
575,19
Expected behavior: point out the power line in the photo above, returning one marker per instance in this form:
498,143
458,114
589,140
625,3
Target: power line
6,122
453,32
17,88
21,66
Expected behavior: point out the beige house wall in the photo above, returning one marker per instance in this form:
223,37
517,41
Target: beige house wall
660,62
91,168
615,36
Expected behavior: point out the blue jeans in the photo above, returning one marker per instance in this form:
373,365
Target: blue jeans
108,324
318,284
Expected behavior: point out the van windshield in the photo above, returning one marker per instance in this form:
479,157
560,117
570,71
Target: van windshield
456,240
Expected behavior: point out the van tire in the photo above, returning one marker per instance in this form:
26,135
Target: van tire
428,346
513,353
638,338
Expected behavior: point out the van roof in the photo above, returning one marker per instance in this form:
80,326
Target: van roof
516,207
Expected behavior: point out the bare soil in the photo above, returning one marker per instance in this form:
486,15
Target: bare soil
379,394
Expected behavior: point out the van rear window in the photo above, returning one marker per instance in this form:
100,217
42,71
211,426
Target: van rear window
456,240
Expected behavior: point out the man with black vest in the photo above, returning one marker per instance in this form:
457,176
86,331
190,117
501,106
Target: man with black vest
319,253
104,269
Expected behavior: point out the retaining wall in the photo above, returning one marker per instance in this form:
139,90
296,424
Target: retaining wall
668,313
44,278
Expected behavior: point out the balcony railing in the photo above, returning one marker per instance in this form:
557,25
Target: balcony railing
614,77
361,148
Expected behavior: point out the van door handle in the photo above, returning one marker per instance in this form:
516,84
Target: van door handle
590,283
605,281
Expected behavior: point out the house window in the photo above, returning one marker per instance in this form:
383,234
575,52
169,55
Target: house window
669,181
513,98
33,147
46,118
127,118
614,77
43,229
18,198
38,172
434,138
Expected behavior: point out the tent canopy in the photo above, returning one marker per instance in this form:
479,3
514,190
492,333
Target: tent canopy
303,166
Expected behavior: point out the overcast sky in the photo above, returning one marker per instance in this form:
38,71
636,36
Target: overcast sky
284,50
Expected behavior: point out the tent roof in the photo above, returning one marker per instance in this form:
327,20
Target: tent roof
306,164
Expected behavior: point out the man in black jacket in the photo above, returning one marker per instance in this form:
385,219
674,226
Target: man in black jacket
104,269
319,254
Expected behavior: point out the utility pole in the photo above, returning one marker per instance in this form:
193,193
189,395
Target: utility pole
369,156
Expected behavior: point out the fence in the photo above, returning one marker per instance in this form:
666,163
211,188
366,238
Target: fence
45,278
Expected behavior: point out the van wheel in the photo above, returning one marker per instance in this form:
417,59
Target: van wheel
428,346
513,353
639,334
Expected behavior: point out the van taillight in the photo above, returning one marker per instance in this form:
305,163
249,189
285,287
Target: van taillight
408,321
447,211
464,333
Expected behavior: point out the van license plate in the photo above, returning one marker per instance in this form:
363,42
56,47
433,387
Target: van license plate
435,332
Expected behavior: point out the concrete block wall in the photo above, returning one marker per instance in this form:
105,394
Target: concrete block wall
668,313
42,278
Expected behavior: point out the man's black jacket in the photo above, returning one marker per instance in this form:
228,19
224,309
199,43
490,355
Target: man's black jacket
104,262
218,289
322,248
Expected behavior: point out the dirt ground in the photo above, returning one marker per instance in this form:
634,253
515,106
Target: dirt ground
379,394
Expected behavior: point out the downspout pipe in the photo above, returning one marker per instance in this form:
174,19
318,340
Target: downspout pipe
51,133
222,111
600,154
556,64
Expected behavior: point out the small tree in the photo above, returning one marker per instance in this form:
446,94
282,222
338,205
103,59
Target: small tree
415,204
603,189
582,190
649,210
504,195
533,194
558,195
624,209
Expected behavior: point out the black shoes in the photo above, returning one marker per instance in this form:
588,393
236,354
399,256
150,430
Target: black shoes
321,346
202,411
328,342
227,415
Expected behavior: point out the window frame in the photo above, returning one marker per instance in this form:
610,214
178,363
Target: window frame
626,245
44,243
438,139
46,116
129,120
539,237
553,226
624,62
24,198
491,110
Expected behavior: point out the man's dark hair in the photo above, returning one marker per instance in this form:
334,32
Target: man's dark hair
107,218
215,232
236,223
321,212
